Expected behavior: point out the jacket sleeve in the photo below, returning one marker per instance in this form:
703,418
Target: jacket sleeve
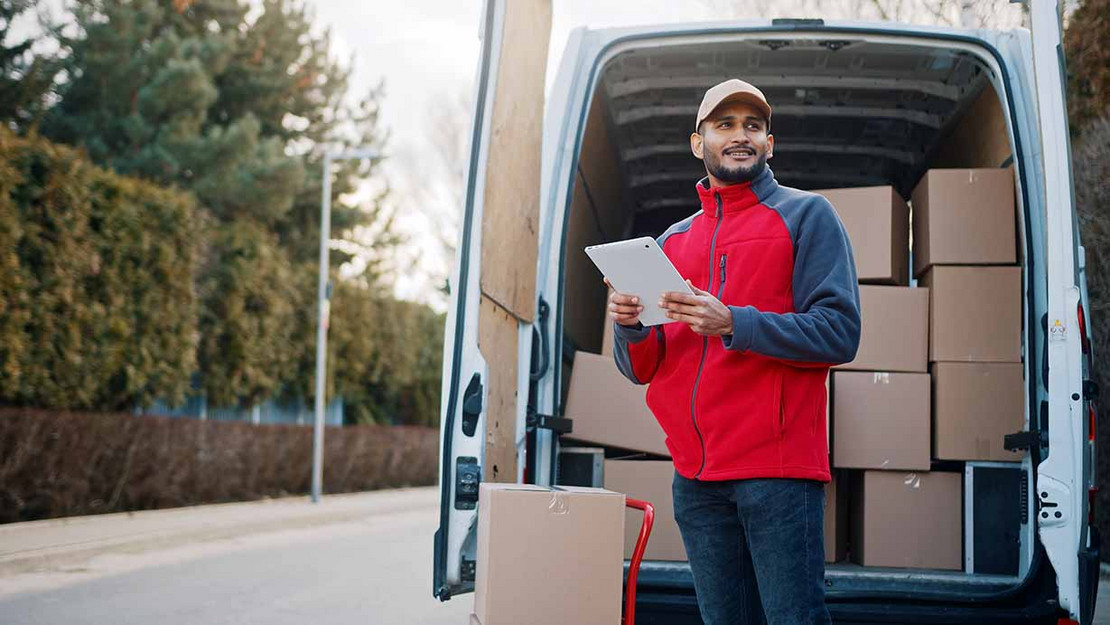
824,330
638,351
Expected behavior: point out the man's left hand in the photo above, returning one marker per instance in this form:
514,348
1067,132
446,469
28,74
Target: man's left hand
704,313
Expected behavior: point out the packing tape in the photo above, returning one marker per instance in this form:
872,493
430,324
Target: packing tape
912,480
558,503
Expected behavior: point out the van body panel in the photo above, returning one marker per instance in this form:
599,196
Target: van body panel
1061,488
488,337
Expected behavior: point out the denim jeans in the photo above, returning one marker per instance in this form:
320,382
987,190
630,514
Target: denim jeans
756,549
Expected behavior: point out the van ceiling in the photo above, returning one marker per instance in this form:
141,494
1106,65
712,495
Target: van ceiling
846,113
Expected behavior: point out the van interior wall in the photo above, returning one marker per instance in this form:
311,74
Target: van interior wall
595,217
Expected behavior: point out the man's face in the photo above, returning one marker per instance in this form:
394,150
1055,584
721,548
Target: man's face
733,143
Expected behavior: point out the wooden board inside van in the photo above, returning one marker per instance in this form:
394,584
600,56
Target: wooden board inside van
510,220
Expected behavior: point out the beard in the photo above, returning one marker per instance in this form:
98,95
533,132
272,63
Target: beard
736,174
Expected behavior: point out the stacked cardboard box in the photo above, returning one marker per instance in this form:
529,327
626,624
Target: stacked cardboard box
964,251
648,480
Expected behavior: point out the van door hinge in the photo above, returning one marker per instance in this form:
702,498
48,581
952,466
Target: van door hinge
560,425
1022,440
472,405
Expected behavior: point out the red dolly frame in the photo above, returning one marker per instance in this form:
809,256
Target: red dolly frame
637,557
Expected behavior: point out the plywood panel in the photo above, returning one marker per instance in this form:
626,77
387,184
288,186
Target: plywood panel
510,214
979,139
584,305
497,340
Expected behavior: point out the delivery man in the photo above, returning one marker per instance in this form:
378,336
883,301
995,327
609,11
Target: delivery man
738,385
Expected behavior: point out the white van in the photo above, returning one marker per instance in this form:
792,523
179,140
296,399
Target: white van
856,104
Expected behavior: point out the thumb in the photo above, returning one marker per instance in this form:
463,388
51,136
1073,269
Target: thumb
696,290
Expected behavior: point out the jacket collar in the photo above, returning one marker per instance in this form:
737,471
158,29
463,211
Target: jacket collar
738,196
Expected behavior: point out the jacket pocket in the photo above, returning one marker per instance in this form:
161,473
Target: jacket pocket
778,409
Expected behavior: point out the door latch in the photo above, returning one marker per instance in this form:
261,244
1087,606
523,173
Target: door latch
468,476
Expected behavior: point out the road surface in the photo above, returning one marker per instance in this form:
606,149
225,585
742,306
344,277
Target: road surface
362,559
369,570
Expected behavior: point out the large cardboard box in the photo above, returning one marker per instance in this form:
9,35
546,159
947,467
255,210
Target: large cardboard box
836,519
974,314
894,334
911,520
964,217
648,480
881,420
549,556
878,224
610,410
975,405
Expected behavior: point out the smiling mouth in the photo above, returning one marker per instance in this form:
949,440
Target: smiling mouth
740,154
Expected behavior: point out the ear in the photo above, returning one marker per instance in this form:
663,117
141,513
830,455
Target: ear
696,145
770,146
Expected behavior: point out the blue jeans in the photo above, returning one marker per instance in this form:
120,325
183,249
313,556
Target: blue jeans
756,549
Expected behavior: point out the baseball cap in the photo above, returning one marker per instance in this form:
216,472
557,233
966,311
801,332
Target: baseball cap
735,90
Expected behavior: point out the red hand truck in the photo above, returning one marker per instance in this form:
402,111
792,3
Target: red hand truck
637,557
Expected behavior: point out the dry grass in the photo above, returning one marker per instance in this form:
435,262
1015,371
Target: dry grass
55,464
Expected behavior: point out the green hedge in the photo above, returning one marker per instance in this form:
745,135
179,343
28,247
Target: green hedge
97,303
55,464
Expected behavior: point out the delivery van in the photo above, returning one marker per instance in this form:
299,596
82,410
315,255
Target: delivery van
604,156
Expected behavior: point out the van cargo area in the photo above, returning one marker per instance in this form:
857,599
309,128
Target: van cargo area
849,111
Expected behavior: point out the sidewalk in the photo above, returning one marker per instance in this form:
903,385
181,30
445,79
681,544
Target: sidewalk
57,544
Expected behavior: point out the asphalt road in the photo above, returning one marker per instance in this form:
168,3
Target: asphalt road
363,559
374,570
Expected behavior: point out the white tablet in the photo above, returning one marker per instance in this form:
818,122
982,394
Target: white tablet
639,267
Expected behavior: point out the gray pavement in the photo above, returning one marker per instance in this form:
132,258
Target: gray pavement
362,559
316,569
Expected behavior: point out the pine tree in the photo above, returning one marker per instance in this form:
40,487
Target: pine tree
25,78
236,105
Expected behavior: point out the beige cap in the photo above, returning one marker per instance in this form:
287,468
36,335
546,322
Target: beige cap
733,89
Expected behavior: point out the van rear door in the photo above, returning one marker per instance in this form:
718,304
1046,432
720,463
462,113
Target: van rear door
1061,480
493,299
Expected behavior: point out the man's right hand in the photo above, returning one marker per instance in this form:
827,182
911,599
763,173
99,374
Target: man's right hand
624,309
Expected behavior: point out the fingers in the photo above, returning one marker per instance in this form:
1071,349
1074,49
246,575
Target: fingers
695,289
680,298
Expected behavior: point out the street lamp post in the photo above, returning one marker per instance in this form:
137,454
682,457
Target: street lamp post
323,313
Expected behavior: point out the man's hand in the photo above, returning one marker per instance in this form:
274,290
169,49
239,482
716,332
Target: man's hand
704,313
624,309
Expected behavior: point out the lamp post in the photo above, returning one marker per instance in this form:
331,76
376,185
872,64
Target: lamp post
323,312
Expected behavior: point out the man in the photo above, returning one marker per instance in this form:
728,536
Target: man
738,384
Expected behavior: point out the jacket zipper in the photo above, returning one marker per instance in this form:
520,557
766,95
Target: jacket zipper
705,339
721,285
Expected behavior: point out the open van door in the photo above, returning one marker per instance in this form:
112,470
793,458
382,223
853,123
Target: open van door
487,343
1062,482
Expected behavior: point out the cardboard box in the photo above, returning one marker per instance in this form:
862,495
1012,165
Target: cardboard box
548,556
974,314
894,334
836,519
882,420
975,405
648,480
610,410
911,520
964,217
607,338
878,224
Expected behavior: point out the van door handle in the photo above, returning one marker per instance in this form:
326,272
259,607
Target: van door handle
472,405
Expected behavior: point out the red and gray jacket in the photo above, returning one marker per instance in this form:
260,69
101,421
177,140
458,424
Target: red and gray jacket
751,404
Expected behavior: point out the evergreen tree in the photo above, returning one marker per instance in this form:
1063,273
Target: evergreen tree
25,79
237,108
